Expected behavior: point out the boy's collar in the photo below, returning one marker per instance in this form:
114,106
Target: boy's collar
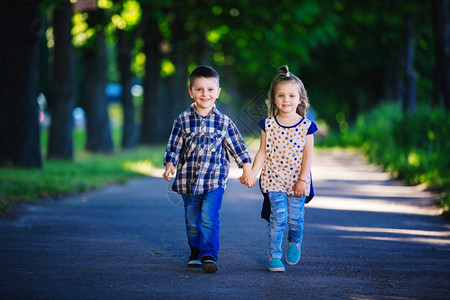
213,110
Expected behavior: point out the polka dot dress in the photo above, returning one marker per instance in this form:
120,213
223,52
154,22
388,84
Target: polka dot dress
284,153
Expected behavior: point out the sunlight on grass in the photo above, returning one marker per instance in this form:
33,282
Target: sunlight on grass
414,159
139,167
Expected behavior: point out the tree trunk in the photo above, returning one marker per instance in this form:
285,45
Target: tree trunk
441,28
97,119
152,122
409,97
21,26
44,63
178,99
62,101
178,96
125,42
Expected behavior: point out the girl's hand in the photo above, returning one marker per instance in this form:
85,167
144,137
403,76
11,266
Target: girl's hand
251,179
170,170
299,189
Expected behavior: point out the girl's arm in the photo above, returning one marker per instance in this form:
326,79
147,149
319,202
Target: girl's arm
300,186
307,157
260,156
249,179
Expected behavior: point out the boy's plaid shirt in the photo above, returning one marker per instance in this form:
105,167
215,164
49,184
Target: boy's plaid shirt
198,147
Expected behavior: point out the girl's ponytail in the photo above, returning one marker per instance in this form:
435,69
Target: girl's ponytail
284,70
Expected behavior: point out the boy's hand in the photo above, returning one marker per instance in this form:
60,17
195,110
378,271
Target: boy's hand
170,170
299,189
246,180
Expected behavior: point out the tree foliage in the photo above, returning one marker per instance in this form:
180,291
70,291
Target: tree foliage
351,55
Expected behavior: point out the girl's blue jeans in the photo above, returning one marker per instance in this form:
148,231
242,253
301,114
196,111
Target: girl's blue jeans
285,209
202,221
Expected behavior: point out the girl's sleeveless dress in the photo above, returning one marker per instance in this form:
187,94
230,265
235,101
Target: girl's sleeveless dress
284,153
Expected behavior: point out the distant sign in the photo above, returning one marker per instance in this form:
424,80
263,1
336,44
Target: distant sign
85,5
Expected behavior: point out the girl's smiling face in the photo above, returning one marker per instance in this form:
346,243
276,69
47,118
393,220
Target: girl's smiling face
287,97
204,91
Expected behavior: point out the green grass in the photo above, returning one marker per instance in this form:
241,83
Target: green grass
86,172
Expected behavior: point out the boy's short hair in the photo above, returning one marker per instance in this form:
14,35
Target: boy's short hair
203,71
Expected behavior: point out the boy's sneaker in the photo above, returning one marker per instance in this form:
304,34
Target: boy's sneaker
293,253
209,264
275,265
193,259
194,263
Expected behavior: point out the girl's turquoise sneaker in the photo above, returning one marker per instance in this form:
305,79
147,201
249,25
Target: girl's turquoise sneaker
275,265
293,254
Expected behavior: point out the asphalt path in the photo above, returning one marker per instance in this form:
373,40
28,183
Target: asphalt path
366,237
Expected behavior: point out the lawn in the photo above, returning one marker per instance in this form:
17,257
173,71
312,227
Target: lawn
86,172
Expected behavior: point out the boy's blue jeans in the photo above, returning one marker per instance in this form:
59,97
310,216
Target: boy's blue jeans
285,209
202,221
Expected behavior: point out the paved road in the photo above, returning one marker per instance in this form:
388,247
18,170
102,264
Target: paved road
366,237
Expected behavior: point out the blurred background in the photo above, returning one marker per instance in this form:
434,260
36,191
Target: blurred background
377,73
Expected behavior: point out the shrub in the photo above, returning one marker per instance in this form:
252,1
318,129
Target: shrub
412,147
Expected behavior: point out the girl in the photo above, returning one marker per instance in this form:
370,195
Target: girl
285,155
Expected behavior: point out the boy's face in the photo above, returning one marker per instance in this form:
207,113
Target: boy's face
204,91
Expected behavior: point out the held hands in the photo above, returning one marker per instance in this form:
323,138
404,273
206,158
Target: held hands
299,189
249,181
247,178
170,170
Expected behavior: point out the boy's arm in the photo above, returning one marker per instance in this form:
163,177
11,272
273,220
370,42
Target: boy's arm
173,149
236,145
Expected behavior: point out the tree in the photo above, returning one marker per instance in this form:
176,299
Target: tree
21,25
126,21
441,28
124,48
152,122
62,99
409,97
95,78
179,54
185,37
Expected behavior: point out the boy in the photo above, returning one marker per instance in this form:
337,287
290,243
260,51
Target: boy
198,145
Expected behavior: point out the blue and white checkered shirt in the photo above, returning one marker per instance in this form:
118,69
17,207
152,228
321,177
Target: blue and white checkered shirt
199,147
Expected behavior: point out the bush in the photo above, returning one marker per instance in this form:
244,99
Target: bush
412,147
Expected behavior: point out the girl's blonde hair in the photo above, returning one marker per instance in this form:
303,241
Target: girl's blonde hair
286,76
